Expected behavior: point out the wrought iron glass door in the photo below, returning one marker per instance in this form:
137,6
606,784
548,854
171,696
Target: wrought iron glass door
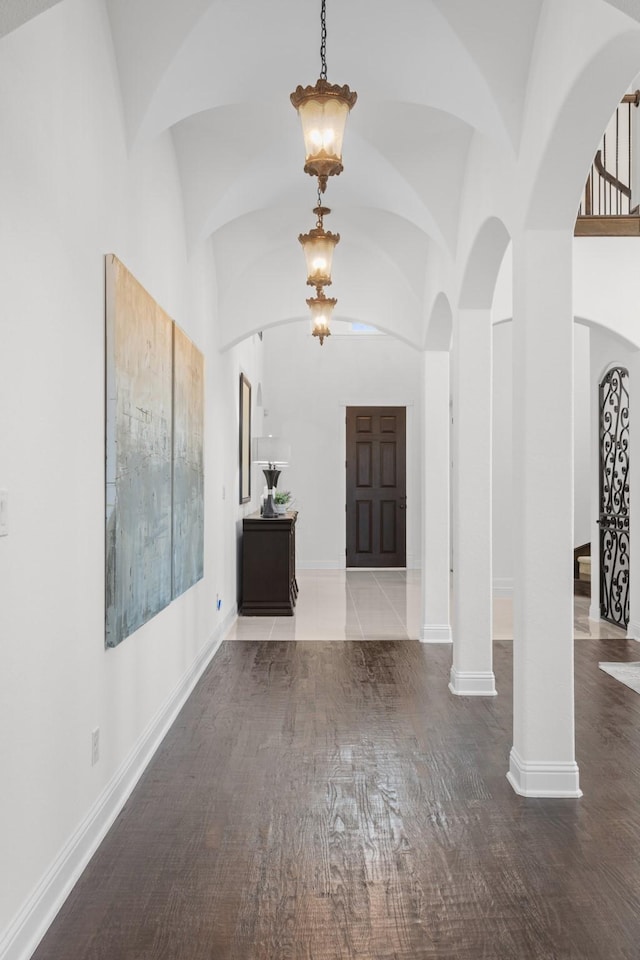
614,497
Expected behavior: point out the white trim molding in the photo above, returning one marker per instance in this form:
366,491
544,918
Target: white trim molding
503,586
471,683
633,630
436,633
543,778
320,564
37,914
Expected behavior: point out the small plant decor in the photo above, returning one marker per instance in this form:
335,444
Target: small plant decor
281,501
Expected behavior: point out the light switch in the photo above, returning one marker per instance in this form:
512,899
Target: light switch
4,513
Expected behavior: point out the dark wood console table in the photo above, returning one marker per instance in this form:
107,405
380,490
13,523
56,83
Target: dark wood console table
269,586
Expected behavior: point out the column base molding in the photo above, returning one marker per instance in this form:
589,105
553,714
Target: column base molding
594,611
436,633
543,778
481,683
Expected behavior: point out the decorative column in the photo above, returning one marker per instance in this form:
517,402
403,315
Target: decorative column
472,669
542,761
436,549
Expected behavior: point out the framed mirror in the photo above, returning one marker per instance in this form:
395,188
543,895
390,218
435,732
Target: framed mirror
245,439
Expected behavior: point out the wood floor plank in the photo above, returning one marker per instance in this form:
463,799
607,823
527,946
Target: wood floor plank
332,801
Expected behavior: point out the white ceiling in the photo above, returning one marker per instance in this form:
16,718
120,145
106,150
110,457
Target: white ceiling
219,75
444,92
13,13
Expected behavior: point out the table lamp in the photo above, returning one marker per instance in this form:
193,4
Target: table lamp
272,453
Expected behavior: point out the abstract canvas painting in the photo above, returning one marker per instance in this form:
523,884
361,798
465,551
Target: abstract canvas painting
154,457
188,467
138,491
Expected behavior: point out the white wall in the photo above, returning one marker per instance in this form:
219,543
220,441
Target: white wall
606,284
70,192
306,389
582,388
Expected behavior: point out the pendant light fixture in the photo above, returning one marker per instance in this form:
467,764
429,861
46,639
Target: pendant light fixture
323,110
321,308
318,246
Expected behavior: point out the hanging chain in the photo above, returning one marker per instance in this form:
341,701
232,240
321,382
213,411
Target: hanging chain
323,40
319,211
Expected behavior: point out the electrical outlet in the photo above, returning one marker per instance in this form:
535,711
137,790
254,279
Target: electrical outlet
95,746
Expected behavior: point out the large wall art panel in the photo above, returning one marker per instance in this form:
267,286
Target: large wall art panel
139,351
188,464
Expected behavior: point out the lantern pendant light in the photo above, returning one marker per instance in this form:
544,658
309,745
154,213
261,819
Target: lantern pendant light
318,246
323,110
321,308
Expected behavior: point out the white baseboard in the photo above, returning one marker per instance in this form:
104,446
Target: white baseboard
503,586
481,683
32,922
633,630
550,778
594,611
435,633
341,565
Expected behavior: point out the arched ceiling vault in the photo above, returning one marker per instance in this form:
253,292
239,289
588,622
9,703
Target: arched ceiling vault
436,80
13,13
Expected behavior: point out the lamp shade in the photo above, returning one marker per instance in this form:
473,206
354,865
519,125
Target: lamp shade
323,110
271,451
318,246
321,309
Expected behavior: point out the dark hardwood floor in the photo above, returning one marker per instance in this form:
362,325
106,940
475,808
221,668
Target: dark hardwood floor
328,801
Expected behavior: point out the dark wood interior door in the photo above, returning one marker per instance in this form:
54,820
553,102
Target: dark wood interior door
376,486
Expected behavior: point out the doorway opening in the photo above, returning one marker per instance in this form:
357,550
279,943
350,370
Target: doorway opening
614,516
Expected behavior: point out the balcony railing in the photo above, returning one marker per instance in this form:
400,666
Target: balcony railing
607,207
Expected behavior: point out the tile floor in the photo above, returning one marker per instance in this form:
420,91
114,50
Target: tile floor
378,605
344,605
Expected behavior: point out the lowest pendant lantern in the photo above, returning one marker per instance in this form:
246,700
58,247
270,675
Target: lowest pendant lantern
323,110
318,246
321,308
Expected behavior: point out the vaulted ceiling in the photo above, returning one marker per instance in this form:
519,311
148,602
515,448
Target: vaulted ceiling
13,13
429,77
441,127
